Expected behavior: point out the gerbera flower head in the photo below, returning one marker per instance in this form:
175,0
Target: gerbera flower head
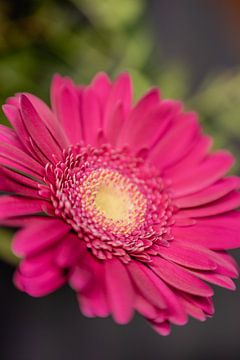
125,202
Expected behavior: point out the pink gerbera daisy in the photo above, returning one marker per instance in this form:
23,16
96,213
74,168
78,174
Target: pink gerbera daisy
124,202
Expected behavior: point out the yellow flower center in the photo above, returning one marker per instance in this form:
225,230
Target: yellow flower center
113,200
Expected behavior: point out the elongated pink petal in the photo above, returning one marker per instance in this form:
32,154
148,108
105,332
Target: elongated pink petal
19,160
211,193
142,108
121,92
150,126
41,285
68,112
216,279
209,236
203,175
39,235
37,130
188,256
102,87
225,204
93,295
49,119
115,124
195,156
162,328
119,291
179,278
145,285
17,206
181,135
91,115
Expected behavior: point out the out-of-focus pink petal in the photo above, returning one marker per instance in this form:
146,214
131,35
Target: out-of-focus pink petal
179,278
187,256
182,135
211,193
120,291
39,235
203,175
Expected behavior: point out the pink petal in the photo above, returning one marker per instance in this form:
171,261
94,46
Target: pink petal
216,279
91,116
36,265
17,206
102,87
38,131
213,192
162,328
227,203
145,105
69,251
150,126
188,256
141,278
179,278
49,119
15,158
38,235
93,298
182,134
121,92
14,117
120,292
68,112
210,236
115,124
203,175
9,136
41,285
195,156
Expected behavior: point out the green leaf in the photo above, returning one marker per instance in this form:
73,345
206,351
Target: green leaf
6,253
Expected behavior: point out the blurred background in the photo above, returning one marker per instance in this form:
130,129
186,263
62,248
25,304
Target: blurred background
191,50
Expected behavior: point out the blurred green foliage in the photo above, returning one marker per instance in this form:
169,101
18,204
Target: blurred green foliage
81,37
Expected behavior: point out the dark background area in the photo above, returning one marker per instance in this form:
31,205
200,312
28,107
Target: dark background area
200,35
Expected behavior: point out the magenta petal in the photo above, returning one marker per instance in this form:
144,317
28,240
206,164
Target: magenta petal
115,124
145,308
141,278
93,297
121,92
216,279
145,105
38,130
102,87
36,265
198,152
91,116
68,112
203,175
225,204
41,285
120,292
19,160
162,328
17,206
188,256
69,251
49,119
209,236
181,135
211,193
39,235
179,278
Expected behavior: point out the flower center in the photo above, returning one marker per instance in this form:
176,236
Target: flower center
113,201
